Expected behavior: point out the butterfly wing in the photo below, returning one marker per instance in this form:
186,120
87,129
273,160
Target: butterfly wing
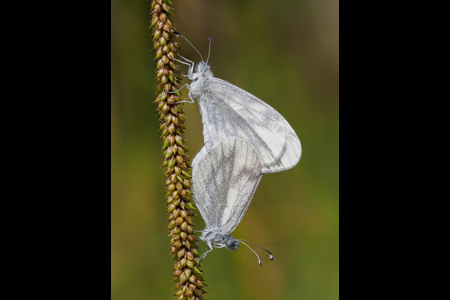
198,156
224,181
228,111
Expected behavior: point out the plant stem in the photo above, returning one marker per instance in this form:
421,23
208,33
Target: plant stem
183,245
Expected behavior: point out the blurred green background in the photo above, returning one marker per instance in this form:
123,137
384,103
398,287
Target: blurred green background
284,52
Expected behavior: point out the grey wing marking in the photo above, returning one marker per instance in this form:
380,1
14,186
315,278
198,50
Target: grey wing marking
228,111
221,121
206,187
245,180
224,182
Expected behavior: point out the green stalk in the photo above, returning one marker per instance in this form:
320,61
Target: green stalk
180,205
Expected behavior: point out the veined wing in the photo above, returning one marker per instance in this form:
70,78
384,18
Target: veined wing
224,181
198,156
228,111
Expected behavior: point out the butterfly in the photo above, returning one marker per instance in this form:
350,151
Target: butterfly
224,181
228,111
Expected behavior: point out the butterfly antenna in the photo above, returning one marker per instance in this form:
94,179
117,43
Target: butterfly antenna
270,253
176,32
259,258
209,50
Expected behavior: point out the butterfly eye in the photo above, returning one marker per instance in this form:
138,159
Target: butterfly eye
233,245
200,67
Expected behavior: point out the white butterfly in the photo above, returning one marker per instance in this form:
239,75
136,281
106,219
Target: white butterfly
230,112
224,181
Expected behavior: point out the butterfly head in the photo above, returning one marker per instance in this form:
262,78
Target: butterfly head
232,244
203,68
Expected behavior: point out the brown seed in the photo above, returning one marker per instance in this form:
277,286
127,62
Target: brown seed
160,71
156,9
171,208
183,277
173,66
166,28
168,87
184,226
165,34
163,41
181,252
159,64
177,244
165,7
171,225
165,60
171,99
195,251
157,34
172,130
183,263
177,170
154,21
187,271
179,284
189,220
174,147
170,55
193,279
190,254
190,264
179,221
189,293
174,110
199,293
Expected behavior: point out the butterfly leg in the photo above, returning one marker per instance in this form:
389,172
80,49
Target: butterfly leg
186,59
191,68
184,101
191,65
180,88
208,244
182,62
